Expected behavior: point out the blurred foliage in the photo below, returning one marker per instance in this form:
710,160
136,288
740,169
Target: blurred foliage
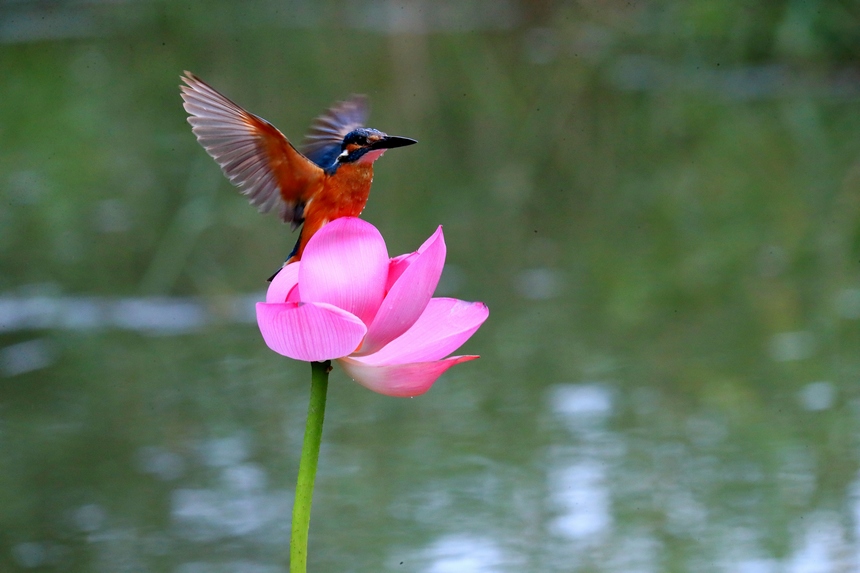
661,198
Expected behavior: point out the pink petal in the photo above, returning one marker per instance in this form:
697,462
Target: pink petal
284,284
396,267
309,331
443,327
399,380
409,295
345,264
401,263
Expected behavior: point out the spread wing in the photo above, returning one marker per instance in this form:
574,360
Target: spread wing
252,153
322,143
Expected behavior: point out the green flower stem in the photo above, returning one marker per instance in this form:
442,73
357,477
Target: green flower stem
308,467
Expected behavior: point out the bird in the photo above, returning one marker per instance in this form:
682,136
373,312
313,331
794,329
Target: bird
327,178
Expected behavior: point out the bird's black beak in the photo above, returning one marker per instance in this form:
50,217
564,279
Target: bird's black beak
392,141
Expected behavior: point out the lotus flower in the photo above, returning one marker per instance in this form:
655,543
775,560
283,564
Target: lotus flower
347,301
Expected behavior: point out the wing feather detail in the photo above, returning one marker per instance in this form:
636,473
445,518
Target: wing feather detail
323,141
252,153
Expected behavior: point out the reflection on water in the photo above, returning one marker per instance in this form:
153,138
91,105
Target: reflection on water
786,346
149,315
578,490
240,508
817,395
25,357
591,485
580,494
664,224
464,553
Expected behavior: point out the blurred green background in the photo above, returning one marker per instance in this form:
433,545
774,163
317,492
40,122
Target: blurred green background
658,201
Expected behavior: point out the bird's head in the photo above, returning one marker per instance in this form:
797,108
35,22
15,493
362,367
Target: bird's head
365,145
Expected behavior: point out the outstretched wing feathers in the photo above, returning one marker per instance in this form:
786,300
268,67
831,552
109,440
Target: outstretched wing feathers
323,141
252,153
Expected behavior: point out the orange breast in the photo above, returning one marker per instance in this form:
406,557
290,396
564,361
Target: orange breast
343,194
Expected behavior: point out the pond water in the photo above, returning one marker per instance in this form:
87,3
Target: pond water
660,208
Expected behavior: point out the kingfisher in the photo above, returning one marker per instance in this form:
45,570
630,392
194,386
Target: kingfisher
329,178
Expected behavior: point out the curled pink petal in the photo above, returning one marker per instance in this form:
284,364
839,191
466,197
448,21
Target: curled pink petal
431,240
309,331
399,380
401,263
408,296
396,267
443,327
346,264
284,283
